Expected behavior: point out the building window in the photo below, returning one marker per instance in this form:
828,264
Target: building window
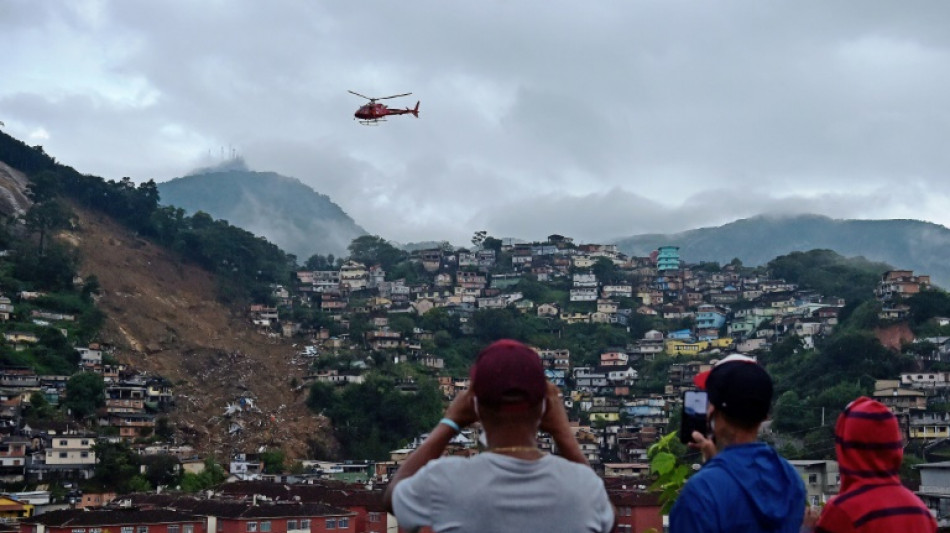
64,443
265,526
305,523
79,530
344,523
189,528
143,529
95,530
84,454
251,527
812,479
291,524
174,528
331,523
127,529
84,442
374,517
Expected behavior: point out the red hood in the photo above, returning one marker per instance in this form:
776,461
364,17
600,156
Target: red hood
869,444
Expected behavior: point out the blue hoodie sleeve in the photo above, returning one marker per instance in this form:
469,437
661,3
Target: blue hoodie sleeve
693,511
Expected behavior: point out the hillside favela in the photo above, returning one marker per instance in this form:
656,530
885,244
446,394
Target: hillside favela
172,372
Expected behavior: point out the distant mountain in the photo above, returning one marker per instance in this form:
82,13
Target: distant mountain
285,211
907,244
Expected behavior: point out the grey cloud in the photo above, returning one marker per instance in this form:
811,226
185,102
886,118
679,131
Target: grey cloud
592,119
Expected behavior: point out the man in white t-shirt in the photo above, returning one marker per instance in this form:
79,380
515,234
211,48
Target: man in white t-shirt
514,486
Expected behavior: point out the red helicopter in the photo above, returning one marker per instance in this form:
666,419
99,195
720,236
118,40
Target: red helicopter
373,113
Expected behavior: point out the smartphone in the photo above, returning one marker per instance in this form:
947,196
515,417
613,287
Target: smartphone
694,414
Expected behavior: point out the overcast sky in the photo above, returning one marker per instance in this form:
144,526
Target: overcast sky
595,119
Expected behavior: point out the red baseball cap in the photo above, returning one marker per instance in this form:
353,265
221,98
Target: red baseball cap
700,379
508,373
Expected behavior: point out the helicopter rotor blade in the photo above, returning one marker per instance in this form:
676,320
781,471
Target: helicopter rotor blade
362,96
394,96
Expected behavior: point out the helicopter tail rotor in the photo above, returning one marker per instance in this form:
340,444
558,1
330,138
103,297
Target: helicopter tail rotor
415,112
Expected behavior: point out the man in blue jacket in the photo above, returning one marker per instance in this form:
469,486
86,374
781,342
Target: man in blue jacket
745,486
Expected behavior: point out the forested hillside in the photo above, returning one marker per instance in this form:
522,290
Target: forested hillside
912,244
285,211
165,290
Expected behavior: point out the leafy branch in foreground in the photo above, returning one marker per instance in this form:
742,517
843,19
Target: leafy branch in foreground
670,473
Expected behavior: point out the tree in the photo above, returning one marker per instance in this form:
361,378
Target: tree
273,461
40,408
164,429
787,414
322,396
319,262
85,392
494,324
212,476
491,243
607,272
373,249
116,465
162,470
42,218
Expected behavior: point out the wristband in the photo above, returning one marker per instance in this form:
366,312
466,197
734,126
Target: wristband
451,423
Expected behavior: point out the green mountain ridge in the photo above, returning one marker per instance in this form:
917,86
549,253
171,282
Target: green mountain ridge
904,244
282,209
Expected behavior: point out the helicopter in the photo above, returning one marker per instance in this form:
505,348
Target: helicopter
373,113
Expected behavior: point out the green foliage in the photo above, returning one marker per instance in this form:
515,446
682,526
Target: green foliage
209,478
607,272
273,461
164,429
116,466
374,250
162,470
494,324
831,274
320,262
44,218
671,474
40,408
492,243
247,264
863,316
374,417
926,305
53,269
787,413
84,394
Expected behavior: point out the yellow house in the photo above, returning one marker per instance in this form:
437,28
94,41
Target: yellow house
20,337
576,318
583,261
678,347
606,417
14,509
930,431
722,342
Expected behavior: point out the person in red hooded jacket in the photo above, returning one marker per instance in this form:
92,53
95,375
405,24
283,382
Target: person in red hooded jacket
872,499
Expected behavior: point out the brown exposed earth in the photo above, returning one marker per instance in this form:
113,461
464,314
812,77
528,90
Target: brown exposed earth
163,318
895,335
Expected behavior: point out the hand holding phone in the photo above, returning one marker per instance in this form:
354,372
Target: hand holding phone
693,416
